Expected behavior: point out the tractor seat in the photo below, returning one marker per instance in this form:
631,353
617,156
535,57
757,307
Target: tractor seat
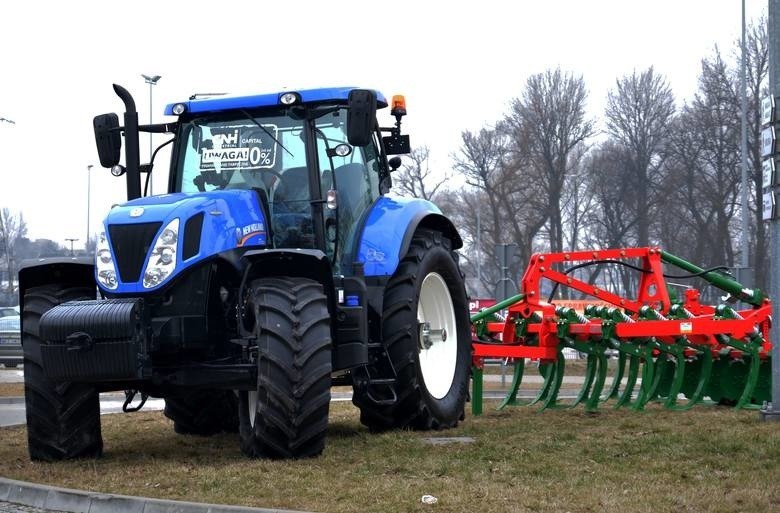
352,187
291,210
292,192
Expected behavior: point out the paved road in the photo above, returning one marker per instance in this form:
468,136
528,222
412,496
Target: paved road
9,507
11,375
12,408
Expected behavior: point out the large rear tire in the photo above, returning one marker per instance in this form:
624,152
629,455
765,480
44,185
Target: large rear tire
424,296
63,419
203,412
287,417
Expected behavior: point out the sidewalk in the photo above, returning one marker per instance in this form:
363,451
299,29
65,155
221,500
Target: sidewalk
53,499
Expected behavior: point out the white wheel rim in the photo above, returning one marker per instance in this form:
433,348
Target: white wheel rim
439,354
251,399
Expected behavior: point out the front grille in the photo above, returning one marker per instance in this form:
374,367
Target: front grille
131,243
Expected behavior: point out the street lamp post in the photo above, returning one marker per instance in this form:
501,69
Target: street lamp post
89,189
744,259
151,80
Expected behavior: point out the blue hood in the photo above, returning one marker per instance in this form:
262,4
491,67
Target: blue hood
230,219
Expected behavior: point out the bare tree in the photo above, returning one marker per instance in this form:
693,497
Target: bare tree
547,124
757,66
612,225
415,177
12,228
501,204
638,115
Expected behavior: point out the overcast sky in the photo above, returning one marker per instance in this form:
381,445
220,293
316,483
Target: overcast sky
459,64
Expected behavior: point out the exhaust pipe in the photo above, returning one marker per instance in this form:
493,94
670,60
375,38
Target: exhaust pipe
132,159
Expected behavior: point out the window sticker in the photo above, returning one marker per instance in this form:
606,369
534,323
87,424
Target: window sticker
243,147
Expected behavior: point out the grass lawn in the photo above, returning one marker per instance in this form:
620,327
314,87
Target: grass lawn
11,389
707,459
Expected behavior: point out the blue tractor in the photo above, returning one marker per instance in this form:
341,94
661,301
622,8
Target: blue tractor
274,268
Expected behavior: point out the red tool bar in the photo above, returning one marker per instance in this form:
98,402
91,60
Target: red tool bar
512,351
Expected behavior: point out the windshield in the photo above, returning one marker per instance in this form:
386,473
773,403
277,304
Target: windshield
266,152
239,152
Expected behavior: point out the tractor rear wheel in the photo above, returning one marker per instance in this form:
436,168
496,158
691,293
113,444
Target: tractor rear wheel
63,419
203,412
287,416
426,333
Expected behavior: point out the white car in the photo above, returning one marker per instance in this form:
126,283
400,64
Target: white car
9,311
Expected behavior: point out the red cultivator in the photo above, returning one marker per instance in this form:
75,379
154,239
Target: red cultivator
682,350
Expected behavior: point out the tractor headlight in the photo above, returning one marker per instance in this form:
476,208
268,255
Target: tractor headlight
104,263
162,259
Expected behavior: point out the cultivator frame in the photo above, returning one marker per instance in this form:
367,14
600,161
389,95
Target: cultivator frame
682,346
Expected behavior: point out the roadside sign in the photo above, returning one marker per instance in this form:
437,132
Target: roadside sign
767,110
768,206
768,141
768,173
477,304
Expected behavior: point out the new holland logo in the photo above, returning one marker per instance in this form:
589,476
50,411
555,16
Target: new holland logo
137,212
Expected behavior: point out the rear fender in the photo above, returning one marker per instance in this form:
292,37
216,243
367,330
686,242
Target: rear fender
389,228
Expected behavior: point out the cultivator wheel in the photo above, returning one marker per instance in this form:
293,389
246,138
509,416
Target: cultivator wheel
678,353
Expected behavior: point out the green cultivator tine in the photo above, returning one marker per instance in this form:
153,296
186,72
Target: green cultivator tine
648,372
745,400
661,380
704,364
547,370
553,383
517,379
476,390
590,375
614,388
595,373
663,385
624,397
677,381
601,377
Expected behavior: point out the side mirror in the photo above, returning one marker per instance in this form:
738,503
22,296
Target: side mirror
361,118
107,138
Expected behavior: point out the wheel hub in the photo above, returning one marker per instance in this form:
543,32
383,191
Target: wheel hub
438,352
429,336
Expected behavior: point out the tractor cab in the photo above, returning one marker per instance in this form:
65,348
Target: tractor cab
315,162
313,185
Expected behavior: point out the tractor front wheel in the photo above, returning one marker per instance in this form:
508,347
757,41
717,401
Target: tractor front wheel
287,415
63,419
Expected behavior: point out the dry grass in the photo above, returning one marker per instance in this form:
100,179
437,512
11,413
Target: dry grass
709,459
11,389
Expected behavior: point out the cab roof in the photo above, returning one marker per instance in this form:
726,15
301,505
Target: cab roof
230,102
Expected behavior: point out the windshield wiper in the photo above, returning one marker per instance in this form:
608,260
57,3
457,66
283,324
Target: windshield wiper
264,129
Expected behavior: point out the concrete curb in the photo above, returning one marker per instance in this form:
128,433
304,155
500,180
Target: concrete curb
77,501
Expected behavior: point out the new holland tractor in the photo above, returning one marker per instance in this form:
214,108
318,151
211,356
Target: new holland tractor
275,267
